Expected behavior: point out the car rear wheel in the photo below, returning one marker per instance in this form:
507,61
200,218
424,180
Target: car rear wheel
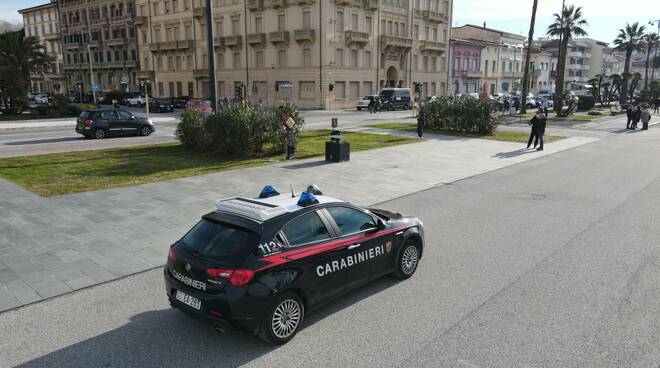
139,104
408,259
100,133
359,109
283,319
145,131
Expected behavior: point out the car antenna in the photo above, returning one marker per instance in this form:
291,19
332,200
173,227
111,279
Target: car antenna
292,195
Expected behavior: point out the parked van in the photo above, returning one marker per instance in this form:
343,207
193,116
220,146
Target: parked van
395,98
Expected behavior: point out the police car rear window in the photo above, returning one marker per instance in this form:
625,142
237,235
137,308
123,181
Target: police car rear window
213,239
305,229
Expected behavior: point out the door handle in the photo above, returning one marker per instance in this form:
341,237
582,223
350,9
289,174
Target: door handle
354,246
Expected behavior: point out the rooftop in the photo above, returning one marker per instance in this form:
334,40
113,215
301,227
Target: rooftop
264,209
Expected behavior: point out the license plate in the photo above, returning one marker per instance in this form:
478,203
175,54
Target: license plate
188,300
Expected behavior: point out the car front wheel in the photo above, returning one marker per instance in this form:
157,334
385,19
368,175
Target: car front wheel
283,319
145,131
408,259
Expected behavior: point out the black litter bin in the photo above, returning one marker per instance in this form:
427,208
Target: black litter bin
337,151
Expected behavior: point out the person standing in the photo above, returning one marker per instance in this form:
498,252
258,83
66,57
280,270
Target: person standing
656,105
637,116
646,117
505,106
516,104
540,130
372,103
629,115
546,106
534,123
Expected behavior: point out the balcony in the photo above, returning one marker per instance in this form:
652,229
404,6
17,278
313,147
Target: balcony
200,73
434,17
140,20
576,79
72,45
115,41
98,22
371,4
72,66
256,38
471,73
146,74
120,19
355,37
199,11
304,35
396,42
232,41
255,5
163,46
52,36
433,46
279,37
119,64
344,2
535,72
277,3
94,44
185,45
579,55
305,2
578,66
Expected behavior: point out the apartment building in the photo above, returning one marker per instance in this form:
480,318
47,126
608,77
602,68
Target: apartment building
542,72
99,46
42,22
465,74
314,53
501,59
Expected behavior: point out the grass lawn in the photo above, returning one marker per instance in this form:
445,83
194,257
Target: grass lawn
581,117
72,172
500,135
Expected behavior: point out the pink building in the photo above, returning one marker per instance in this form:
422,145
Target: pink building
465,71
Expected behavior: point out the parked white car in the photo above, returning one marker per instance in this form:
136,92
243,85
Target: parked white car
364,102
41,98
138,101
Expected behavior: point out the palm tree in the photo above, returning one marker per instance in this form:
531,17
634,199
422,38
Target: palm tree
566,25
636,77
629,39
530,40
651,40
20,56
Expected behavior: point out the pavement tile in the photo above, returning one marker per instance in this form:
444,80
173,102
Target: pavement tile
99,274
50,288
81,282
22,291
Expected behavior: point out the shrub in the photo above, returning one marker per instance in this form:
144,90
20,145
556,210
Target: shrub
238,130
461,114
87,106
586,103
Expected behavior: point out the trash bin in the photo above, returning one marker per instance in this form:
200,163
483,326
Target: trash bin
336,150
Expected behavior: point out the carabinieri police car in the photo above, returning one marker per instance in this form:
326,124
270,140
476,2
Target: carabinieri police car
260,265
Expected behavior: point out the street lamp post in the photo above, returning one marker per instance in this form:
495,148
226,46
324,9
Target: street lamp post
211,51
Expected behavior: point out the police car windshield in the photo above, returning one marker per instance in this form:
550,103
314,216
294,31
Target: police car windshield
213,240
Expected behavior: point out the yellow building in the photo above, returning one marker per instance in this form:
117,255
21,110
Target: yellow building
316,54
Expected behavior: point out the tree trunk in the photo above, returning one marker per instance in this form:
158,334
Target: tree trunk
646,69
530,42
626,75
559,85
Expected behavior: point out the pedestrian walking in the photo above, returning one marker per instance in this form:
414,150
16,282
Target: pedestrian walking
637,116
534,123
540,130
646,117
505,106
516,104
629,114
656,106
372,105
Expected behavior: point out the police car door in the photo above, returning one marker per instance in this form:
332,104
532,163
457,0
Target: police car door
311,239
368,252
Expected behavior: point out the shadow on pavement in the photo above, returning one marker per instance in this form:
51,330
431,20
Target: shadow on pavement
519,152
306,165
170,338
42,141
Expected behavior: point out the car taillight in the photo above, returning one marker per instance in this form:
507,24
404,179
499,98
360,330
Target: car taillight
235,277
171,255
88,122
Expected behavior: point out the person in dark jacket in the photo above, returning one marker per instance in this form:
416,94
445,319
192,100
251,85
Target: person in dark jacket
656,106
629,115
516,104
534,123
540,129
637,116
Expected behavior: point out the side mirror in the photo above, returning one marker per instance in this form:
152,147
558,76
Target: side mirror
380,225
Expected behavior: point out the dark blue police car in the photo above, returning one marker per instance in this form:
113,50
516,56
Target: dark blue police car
261,264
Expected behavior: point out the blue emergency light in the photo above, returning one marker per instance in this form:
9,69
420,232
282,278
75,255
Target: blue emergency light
306,199
268,191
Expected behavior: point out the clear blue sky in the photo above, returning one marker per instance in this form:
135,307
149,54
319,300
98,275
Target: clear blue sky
604,16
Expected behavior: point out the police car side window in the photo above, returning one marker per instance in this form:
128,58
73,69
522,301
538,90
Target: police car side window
351,221
305,229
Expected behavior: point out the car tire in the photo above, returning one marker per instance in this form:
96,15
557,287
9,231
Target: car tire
359,109
139,104
145,131
100,133
408,260
406,107
283,319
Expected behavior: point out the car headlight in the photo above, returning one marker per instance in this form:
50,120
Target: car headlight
150,121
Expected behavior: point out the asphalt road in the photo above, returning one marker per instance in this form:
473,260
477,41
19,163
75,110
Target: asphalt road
21,142
550,263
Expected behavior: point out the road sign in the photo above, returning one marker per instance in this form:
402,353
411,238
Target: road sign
505,86
96,87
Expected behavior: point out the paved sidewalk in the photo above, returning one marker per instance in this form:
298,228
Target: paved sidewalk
50,246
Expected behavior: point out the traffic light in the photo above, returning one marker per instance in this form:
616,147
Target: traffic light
239,91
145,88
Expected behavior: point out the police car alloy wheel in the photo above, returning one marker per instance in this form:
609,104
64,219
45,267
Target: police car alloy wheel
408,260
284,319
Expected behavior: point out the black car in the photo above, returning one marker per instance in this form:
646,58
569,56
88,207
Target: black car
101,123
160,105
259,265
395,98
180,102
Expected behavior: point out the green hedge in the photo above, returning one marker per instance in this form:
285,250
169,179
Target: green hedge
239,130
461,114
586,103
